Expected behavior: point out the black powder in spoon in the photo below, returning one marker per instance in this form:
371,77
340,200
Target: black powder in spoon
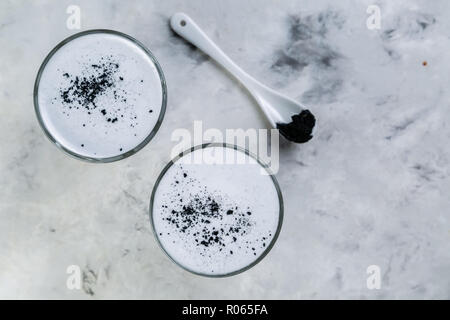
299,130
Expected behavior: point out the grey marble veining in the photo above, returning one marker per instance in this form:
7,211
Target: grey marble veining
371,188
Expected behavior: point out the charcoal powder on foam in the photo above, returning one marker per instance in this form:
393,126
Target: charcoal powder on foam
212,221
81,91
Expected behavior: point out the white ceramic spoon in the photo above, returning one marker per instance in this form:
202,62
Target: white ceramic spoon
279,109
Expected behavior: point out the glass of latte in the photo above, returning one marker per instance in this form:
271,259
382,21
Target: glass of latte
100,95
216,218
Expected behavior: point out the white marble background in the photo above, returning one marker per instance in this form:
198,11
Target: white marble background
372,187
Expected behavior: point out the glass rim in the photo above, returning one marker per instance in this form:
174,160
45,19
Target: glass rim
121,156
274,181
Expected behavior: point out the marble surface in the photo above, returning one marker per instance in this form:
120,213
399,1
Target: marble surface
371,188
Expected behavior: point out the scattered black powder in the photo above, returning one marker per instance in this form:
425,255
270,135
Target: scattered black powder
208,219
300,129
81,92
85,88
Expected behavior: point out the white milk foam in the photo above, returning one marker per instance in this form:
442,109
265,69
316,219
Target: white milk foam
100,95
215,219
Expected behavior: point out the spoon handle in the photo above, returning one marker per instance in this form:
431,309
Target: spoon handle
184,26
